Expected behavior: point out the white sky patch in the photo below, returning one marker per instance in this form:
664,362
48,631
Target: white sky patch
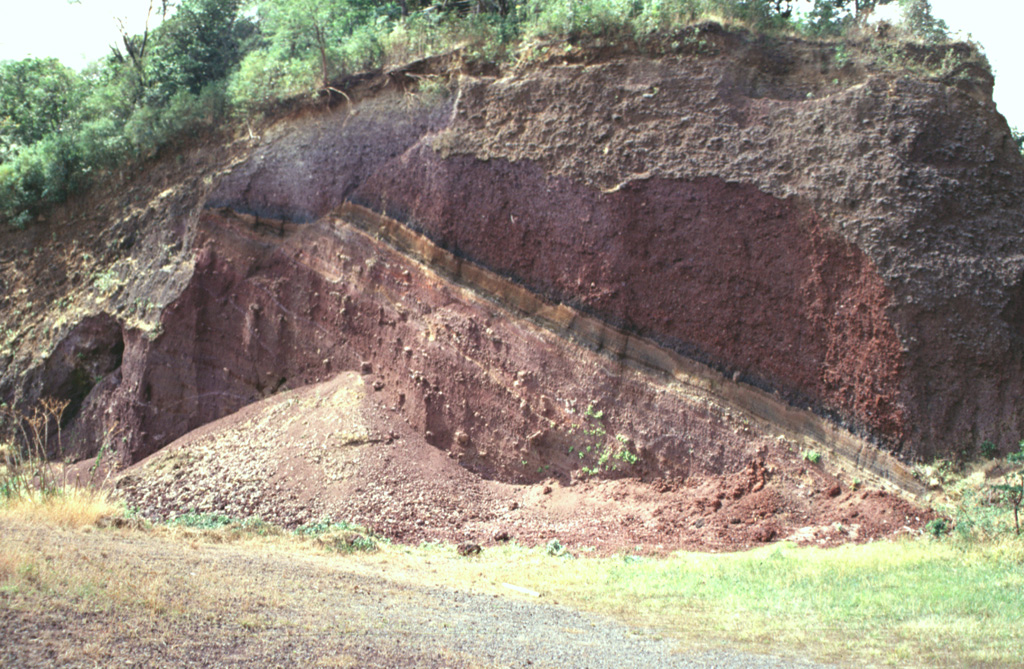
996,25
78,34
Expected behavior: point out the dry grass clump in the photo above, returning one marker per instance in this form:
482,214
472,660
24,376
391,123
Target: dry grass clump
35,485
11,562
71,507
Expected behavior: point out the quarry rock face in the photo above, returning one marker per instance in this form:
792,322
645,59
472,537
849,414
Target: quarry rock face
851,244
846,240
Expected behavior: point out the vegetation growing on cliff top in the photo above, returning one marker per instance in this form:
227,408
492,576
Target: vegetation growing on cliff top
211,60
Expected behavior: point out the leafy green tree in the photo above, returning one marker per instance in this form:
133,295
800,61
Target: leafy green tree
832,17
37,97
783,8
919,20
313,30
133,52
825,18
550,18
858,8
41,173
307,44
200,43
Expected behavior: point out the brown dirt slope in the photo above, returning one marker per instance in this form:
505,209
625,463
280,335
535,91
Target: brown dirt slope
332,450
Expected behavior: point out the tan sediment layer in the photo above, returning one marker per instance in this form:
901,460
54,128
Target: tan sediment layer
693,378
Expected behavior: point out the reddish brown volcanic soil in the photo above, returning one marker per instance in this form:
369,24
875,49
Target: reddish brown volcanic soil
850,239
454,403
846,240
661,258
331,450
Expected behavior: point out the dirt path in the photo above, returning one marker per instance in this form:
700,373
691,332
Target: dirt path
130,598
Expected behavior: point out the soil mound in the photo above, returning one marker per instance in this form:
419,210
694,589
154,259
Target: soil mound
329,450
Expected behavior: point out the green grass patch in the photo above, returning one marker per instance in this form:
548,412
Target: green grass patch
918,602
339,536
325,526
202,521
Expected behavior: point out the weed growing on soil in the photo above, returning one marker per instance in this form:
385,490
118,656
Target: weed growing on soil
326,525
219,525
347,542
25,443
600,454
340,536
842,57
72,507
1014,492
937,527
212,523
813,457
202,521
554,548
982,509
939,473
981,505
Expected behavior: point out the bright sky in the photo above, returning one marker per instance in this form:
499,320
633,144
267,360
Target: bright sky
77,34
81,33
996,24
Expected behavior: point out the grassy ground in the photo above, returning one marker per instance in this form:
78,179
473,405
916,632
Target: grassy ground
913,602
920,601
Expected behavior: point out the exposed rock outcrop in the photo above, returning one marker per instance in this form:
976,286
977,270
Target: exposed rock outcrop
848,240
852,244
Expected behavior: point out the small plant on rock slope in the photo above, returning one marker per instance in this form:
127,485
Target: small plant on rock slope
1013,489
602,454
554,548
937,527
813,457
